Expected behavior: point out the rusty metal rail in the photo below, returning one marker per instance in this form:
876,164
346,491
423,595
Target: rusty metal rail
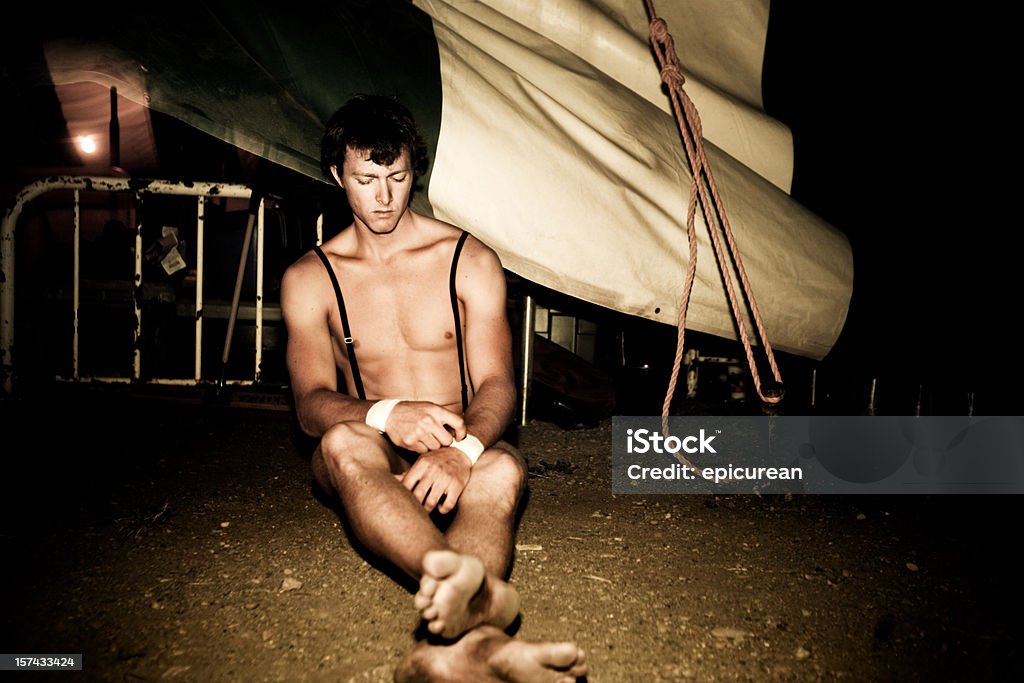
202,191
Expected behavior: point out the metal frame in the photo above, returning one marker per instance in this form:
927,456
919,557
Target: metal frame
140,187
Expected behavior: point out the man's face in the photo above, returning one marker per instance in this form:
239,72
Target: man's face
378,195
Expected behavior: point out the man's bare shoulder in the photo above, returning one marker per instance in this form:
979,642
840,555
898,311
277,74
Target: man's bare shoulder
302,281
474,251
481,277
343,244
433,231
479,259
303,269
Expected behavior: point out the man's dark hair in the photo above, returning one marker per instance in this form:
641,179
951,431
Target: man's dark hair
376,124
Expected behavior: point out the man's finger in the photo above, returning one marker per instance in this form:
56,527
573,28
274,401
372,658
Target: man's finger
451,422
436,491
432,441
458,428
451,497
460,433
412,476
421,490
422,426
427,436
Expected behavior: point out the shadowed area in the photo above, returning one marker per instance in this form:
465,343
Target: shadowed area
180,540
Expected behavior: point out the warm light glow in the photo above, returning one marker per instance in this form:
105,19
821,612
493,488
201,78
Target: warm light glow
86,143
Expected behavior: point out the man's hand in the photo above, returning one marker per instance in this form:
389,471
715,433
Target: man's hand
444,472
422,426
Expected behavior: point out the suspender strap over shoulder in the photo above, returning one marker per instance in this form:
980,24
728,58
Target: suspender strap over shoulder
349,342
458,320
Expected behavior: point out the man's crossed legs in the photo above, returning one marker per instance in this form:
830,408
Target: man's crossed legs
462,597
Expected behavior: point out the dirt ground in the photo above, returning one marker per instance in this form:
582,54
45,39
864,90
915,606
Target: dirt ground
181,541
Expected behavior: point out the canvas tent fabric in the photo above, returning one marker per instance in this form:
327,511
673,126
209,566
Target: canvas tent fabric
550,136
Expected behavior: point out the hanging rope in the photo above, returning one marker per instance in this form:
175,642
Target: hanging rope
704,180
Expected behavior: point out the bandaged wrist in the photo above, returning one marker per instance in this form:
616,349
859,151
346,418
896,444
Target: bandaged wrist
377,415
471,446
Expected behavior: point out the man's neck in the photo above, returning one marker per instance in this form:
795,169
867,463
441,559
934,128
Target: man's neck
382,247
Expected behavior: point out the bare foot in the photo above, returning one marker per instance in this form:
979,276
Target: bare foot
456,594
519,661
488,655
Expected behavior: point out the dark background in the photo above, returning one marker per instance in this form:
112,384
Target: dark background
895,136
895,140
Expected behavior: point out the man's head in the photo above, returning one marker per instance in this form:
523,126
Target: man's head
377,127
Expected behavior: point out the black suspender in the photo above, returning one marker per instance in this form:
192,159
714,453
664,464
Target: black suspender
349,342
458,320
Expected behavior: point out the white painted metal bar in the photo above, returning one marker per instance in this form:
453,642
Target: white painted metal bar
692,372
200,224
162,381
89,183
137,296
814,387
76,285
171,381
524,386
260,218
719,359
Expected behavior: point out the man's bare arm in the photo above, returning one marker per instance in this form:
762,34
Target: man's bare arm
310,352
482,289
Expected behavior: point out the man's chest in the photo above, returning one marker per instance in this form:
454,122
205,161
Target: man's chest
396,310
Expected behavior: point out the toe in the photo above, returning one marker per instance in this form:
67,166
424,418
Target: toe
441,563
558,655
421,600
428,586
580,667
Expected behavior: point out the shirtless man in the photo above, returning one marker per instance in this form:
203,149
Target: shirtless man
388,301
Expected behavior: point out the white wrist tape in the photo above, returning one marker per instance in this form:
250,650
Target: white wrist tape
377,415
471,446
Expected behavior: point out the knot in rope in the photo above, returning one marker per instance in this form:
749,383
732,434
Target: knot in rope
659,30
670,72
673,77
661,36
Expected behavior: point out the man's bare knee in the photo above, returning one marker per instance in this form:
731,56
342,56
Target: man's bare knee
349,445
509,469
345,436
498,478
